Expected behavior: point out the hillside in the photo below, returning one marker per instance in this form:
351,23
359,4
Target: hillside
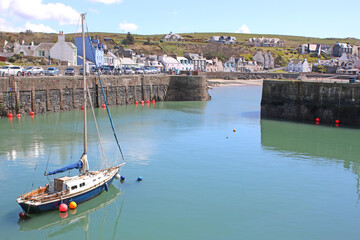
194,42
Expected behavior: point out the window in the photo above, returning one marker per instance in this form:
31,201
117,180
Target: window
82,184
74,187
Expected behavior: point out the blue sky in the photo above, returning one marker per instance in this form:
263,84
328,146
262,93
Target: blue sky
312,18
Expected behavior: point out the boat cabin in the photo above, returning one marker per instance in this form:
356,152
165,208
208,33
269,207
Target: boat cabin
71,184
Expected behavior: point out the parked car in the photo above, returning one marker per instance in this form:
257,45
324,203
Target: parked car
129,71
106,71
118,71
147,71
69,71
14,71
139,71
4,70
33,71
51,71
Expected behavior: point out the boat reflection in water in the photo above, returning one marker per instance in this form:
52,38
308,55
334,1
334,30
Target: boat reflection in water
79,217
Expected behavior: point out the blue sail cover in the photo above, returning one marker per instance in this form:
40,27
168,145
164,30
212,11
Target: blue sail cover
76,165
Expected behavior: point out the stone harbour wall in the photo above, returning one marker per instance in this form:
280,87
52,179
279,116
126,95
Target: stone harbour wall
51,94
306,101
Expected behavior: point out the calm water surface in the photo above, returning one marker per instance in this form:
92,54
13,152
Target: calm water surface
267,180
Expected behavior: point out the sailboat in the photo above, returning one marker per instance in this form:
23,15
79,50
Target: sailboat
79,188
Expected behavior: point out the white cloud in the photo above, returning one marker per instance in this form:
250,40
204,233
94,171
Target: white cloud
39,28
36,10
243,29
8,27
107,1
5,26
128,27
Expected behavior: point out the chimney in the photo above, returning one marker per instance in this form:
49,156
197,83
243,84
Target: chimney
61,37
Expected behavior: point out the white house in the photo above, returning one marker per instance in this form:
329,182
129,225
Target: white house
66,52
152,62
172,37
170,63
25,50
43,49
111,59
296,65
127,63
185,64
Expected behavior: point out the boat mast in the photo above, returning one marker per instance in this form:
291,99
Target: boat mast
84,77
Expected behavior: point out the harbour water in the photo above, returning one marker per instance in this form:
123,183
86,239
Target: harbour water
201,180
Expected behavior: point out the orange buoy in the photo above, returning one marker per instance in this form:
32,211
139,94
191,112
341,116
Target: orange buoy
63,207
72,205
10,115
337,121
234,130
136,103
317,119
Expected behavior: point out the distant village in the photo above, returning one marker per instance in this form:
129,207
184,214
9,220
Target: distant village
344,57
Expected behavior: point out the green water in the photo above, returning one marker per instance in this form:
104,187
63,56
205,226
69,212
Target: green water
201,180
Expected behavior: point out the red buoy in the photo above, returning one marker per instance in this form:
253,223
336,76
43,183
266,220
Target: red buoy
18,115
317,119
147,101
82,108
22,215
337,122
153,101
10,115
103,106
136,102
32,113
142,102
63,207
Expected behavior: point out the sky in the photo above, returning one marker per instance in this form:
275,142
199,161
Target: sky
310,18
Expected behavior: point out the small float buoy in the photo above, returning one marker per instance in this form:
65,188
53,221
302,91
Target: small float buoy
63,214
317,120
234,130
142,102
136,103
337,121
147,101
122,178
336,124
103,106
32,113
139,179
10,115
63,207
153,101
19,116
72,205
117,176
22,215
82,108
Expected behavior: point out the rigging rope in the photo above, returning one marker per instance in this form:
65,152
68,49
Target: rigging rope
96,125
105,100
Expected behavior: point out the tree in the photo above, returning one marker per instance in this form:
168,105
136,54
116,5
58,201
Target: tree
129,40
